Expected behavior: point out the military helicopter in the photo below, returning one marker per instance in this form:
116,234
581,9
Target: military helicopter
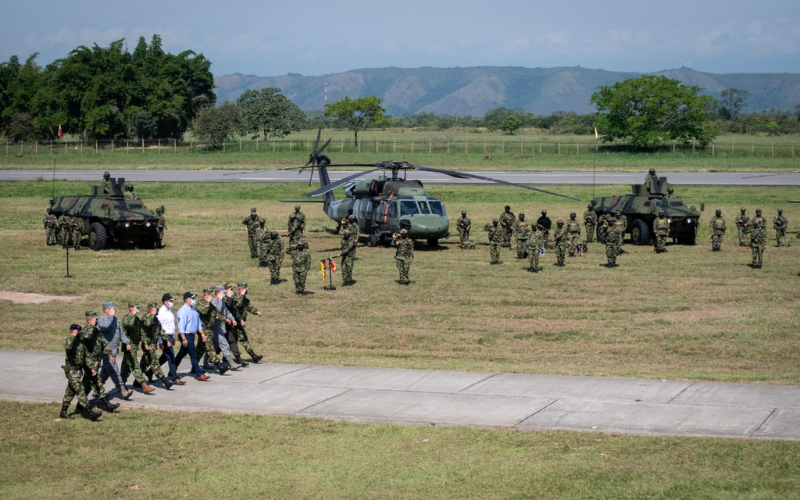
390,203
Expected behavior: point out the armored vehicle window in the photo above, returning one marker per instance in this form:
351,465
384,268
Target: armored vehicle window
423,207
408,208
676,203
437,208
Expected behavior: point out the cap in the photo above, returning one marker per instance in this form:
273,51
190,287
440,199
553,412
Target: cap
133,304
189,295
253,210
108,305
166,296
74,326
300,246
229,285
242,284
152,305
90,313
219,288
208,290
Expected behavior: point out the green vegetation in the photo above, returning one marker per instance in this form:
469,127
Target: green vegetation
269,112
357,114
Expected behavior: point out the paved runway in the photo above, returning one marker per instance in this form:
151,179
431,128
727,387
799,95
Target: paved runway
535,178
427,397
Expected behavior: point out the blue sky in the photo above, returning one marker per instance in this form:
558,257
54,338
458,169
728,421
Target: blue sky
315,37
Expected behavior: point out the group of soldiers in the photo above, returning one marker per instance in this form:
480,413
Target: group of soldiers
66,229
106,347
752,232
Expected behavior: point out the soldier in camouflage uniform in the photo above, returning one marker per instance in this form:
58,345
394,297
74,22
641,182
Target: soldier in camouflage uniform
611,238
132,326
574,230
404,256
535,245
661,231
205,348
590,221
95,348
274,257
780,223
602,227
64,232
262,240
75,359
252,223
348,255
161,226
560,236
464,226
742,223
50,227
352,226
106,183
650,180
495,240
717,231
546,224
522,233
301,263
299,226
76,227
621,224
507,219
758,241
152,335
241,307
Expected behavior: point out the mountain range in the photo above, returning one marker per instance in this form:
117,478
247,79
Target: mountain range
474,90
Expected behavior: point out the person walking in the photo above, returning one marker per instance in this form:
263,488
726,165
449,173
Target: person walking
167,321
115,339
75,359
189,328
132,327
220,333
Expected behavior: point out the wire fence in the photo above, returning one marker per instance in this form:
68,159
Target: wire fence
512,146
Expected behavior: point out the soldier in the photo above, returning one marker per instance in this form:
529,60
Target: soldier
301,263
115,339
96,348
590,221
661,230
75,359
404,256
220,332
348,255
205,349
352,226
602,227
106,182
297,224
717,231
535,245
560,237
522,233
262,242
161,226
152,336
128,194
742,222
779,223
495,241
611,238
671,193
464,226
275,258
64,223
621,224
132,326
546,224
574,230
241,307
230,332
758,240
50,227
650,180
76,227
507,219
252,223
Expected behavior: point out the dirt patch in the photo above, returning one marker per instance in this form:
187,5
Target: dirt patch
32,298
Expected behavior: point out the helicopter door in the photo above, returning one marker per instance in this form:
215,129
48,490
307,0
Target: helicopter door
378,216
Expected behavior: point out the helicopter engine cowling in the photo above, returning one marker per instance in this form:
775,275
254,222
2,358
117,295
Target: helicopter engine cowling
365,188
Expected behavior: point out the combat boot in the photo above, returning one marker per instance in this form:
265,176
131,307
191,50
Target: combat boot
233,364
221,368
167,383
255,357
64,413
91,415
240,361
147,388
126,393
108,405
78,408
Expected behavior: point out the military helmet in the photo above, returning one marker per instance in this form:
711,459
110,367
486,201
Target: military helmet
403,232
743,209
560,222
494,221
300,246
544,212
297,208
253,210
521,215
351,217
652,171
106,174
780,211
670,190
758,211
274,234
463,213
572,215
49,210
661,213
590,205
719,212
508,208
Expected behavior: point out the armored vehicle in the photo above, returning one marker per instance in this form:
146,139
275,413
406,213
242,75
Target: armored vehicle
641,209
108,218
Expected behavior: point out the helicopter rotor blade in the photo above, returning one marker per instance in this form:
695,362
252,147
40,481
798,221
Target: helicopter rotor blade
333,185
319,152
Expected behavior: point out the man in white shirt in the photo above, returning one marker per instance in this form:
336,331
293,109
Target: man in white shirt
167,320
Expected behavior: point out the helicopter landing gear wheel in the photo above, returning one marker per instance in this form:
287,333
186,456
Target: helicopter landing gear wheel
372,241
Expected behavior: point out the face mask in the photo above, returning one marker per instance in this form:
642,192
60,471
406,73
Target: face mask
137,310
171,304
193,302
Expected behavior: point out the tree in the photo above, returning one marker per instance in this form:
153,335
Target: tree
358,114
511,124
270,112
733,102
652,110
213,126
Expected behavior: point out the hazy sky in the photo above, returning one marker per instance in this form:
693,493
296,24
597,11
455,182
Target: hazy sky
314,37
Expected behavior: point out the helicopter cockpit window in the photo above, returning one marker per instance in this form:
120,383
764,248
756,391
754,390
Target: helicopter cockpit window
423,207
437,208
393,209
408,208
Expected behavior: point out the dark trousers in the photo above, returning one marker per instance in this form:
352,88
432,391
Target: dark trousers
191,351
233,341
168,356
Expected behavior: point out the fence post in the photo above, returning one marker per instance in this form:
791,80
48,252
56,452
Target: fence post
240,143
484,147
503,148
578,147
175,146
522,145
376,146
448,146
412,146
96,149
394,147
773,150
430,146
142,144
559,148
359,147
466,146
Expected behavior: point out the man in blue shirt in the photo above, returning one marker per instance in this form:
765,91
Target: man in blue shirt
189,328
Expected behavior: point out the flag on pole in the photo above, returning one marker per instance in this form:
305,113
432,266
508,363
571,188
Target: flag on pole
60,132
322,269
332,264
596,135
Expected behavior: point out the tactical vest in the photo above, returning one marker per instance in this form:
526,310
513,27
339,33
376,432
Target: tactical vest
573,226
719,224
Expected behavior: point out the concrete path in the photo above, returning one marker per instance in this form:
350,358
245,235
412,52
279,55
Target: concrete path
535,178
527,402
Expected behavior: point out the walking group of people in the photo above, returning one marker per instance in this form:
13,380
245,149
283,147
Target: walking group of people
211,329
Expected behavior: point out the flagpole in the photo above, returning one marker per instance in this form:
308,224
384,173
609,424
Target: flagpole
594,161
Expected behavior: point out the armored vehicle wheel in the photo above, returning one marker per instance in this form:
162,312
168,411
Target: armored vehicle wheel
372,241
640,233
97,236
433,242
600,238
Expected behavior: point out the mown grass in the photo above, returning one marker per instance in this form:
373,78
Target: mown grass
688,314
149,454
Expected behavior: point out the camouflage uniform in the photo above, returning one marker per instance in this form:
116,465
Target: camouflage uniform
590,221
64,230
96,348
75,360
650,180
611,238
758,241
132,326
717,231
535,244
522,233
403,257
780,223
161,226
301,263
546,224
296,226
275,257
464,226
352,226
208,315
348,254
574,230
661,231
151,333
241,307
742,223
106,183
50,228
620,224
507,219
560,237
602,227
76,227
252,222
262,240
496,234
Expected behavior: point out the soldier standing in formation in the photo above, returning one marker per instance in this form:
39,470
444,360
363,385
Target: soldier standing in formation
75,360
132,326
161,226
301,263
780,223
742,221
275,254
348,255
574,230
661,230
535,245
611,238
76,227
50,227
297,224
717,231
262,240
621,224
64,223
546,224
507,225
590,221
560,237
404,256
241,308
495,241
522,233
252,222
464,226
758,241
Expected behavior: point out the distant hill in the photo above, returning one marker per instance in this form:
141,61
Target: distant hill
473,91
